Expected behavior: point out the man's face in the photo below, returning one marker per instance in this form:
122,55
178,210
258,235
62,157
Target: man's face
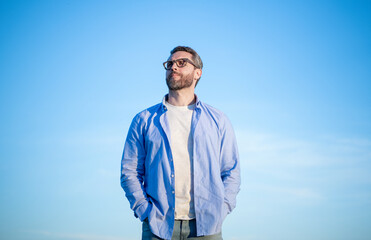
178,78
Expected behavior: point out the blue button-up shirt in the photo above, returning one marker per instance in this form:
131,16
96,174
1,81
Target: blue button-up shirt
147,169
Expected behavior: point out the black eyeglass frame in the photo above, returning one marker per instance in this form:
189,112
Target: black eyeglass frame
176,61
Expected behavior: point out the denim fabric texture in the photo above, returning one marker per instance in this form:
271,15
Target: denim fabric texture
147,169
183,230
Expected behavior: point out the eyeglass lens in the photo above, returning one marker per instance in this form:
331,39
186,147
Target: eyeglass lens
179,63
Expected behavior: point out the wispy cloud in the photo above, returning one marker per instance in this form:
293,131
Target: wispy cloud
305,169
108,173
294,193
74,236
262,148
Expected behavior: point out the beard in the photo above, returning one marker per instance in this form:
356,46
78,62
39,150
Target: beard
183,82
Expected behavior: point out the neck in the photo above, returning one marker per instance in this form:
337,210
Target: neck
181,98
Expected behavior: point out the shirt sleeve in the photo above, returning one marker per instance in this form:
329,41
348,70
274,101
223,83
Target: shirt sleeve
133,170
230,166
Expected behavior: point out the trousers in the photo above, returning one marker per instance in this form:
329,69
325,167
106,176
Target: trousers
183,229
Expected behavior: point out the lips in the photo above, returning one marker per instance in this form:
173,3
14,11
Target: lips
172,75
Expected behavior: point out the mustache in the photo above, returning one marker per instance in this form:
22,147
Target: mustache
174,72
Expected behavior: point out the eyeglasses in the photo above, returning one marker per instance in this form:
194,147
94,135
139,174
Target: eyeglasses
181,62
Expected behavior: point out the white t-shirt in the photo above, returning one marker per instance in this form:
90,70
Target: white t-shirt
181,143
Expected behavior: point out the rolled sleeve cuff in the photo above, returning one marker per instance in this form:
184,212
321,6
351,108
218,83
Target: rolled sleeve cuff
143,211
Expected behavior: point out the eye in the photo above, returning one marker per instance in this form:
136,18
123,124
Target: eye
181,62
168,64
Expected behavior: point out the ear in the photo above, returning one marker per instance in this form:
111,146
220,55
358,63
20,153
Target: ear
197,74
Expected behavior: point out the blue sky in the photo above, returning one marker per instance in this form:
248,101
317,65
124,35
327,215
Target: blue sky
294,77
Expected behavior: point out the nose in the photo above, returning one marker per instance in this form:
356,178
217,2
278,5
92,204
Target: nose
174,66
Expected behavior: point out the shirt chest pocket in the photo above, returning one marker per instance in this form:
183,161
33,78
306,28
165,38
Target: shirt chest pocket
207,142
156,146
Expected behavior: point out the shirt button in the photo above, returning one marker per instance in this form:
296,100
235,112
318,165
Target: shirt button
173,192
172,175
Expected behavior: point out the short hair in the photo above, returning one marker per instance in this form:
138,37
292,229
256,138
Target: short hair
195,57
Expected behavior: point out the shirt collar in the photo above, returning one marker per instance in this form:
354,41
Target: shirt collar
164,108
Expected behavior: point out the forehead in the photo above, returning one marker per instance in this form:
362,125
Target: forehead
180,54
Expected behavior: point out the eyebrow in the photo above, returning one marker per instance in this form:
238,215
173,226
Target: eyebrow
178,59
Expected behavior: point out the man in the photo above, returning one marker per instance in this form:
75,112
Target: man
180,166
